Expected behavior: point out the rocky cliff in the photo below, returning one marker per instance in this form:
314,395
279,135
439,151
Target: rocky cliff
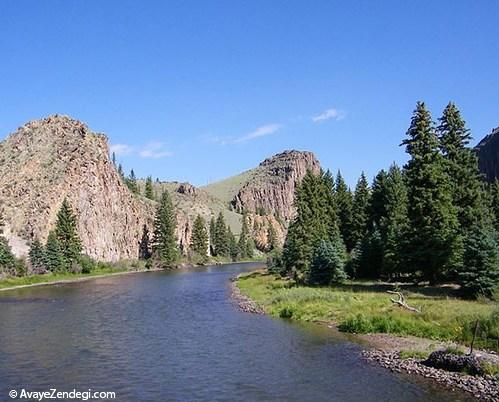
58,157
268,189
488,155
47,160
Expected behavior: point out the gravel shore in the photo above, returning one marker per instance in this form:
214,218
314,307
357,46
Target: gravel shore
243,302
483,388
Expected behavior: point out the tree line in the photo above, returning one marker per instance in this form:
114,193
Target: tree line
62,252
434,220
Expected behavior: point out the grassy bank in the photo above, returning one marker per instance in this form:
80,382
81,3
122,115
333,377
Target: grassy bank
66,276
101,270
366,308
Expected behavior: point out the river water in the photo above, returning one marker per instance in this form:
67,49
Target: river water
176,336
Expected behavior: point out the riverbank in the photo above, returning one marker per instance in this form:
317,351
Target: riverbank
125,268
394,337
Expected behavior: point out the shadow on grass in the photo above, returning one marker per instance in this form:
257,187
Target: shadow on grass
442,291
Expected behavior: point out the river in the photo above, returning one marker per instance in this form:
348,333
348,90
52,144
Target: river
177,336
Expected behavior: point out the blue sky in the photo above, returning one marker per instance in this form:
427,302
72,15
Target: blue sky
200,90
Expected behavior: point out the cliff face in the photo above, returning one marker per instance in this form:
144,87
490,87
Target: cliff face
47,160
271,188
488,155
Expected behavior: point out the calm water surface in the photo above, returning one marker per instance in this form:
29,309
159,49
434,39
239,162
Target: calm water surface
177,337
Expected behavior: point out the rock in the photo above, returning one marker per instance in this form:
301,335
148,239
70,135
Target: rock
488,155
451,362
272,186
58,157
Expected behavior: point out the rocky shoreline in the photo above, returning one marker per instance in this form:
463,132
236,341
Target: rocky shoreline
244,303
483,388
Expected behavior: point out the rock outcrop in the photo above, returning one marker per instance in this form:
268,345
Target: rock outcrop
47,160
488,155
58,157
271,188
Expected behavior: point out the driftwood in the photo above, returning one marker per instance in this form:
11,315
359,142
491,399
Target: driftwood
402,303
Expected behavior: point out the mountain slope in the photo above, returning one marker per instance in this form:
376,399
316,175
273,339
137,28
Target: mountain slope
269,188
488,155
47,160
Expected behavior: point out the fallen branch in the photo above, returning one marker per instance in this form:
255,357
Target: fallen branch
401,302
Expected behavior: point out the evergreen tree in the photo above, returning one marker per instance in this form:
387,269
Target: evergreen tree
148,191
199,239
462,168
344,200
328,262
272,242
144,245
313,223
244,237
430,246
250,248
37,257
8,261
131,182
54,258
114,159
220,240
360,210
480,274
393,223
233,245
164,244
67,234
120,171
493,202
212,236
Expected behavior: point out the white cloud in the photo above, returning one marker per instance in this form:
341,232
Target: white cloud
154,150
121,149
259,132
329,114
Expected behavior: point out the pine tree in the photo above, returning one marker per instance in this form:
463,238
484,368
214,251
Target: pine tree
54,258
393,223
233,245
212,236
244,237
272,242
114,159
313,223
328,262
360,210
492,196
430,246
199,239
462,168
344,200
149,191
120,171
164,244
144,245
220,239
480,273
131,182
37,257
67,234
250,248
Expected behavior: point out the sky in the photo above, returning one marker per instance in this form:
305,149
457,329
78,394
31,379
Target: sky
201,90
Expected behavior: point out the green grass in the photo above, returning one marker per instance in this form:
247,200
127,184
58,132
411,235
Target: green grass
413,354
103,269
366,308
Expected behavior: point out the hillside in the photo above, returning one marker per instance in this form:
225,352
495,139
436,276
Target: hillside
58,157
488,155
45,161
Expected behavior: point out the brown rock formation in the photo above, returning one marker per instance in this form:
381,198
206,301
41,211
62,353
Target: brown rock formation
488,155
47,160
271,189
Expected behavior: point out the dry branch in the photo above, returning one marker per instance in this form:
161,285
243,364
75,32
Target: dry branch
402,303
